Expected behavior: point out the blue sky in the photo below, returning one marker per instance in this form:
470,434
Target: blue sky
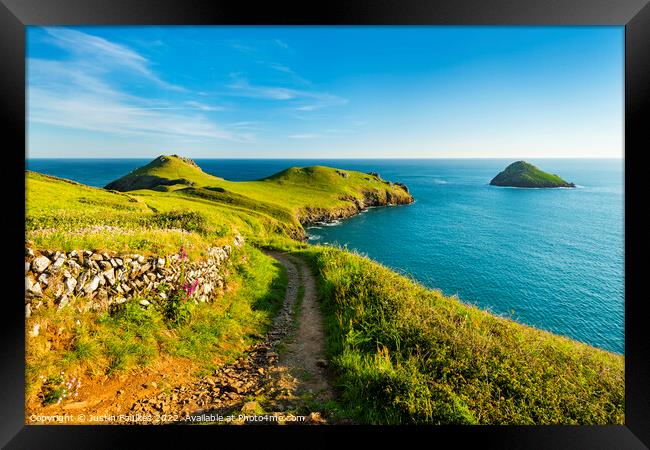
325,92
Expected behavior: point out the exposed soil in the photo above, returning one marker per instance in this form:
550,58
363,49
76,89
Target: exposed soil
281,380
305,353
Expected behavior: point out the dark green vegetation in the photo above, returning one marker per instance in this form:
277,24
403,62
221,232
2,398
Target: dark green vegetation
400,353
523,174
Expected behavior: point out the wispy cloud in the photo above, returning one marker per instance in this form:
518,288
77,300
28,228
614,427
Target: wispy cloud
302,100
311,107
304,136
258,45
89,111
280,43
83,92
280,68
243,88
91,89
243,48
101,54
338,131
288,71
245,125
203,107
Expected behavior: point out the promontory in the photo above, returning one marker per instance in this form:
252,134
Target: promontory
293,198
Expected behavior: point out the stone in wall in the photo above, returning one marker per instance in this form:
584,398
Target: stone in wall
99,280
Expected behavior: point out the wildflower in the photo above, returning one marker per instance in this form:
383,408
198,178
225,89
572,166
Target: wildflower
182,253
190,288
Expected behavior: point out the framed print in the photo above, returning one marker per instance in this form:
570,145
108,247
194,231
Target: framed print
419,216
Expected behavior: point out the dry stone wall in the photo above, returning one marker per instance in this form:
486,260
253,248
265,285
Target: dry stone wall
93,280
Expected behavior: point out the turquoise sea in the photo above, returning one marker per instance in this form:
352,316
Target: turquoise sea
551,258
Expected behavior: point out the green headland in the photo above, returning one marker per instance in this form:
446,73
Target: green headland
397,352
293,197
525,175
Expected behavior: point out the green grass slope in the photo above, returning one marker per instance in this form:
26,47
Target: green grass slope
305,194
171,201
400,353
165,171
404,354
523,174
63,215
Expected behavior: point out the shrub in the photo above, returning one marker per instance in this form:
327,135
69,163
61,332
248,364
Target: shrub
177,309
56,388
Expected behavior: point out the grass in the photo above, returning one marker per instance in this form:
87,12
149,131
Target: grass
523,174
93,344
285,195
64,216
196,210
403,354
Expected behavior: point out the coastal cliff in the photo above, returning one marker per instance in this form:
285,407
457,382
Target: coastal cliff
371,199
297,196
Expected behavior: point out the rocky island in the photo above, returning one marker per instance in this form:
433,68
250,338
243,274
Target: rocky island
525,175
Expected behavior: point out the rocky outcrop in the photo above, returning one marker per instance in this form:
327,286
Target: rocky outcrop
310,216
403,186
185,160
97,280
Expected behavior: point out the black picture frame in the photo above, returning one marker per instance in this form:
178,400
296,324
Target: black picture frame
633,14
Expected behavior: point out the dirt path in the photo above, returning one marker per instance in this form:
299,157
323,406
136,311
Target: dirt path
283,377
304,357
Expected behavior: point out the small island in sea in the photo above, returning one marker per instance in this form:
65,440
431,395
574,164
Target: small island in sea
525,175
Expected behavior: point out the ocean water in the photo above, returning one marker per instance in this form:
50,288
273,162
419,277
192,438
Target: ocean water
550,258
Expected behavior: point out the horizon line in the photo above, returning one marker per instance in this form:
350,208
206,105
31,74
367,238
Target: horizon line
334,158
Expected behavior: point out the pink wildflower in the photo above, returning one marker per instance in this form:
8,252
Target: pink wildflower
190,288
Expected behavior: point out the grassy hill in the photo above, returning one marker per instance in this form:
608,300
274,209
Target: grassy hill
306,194
65,216
150,208
523,174
404,354
401,353
162,171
